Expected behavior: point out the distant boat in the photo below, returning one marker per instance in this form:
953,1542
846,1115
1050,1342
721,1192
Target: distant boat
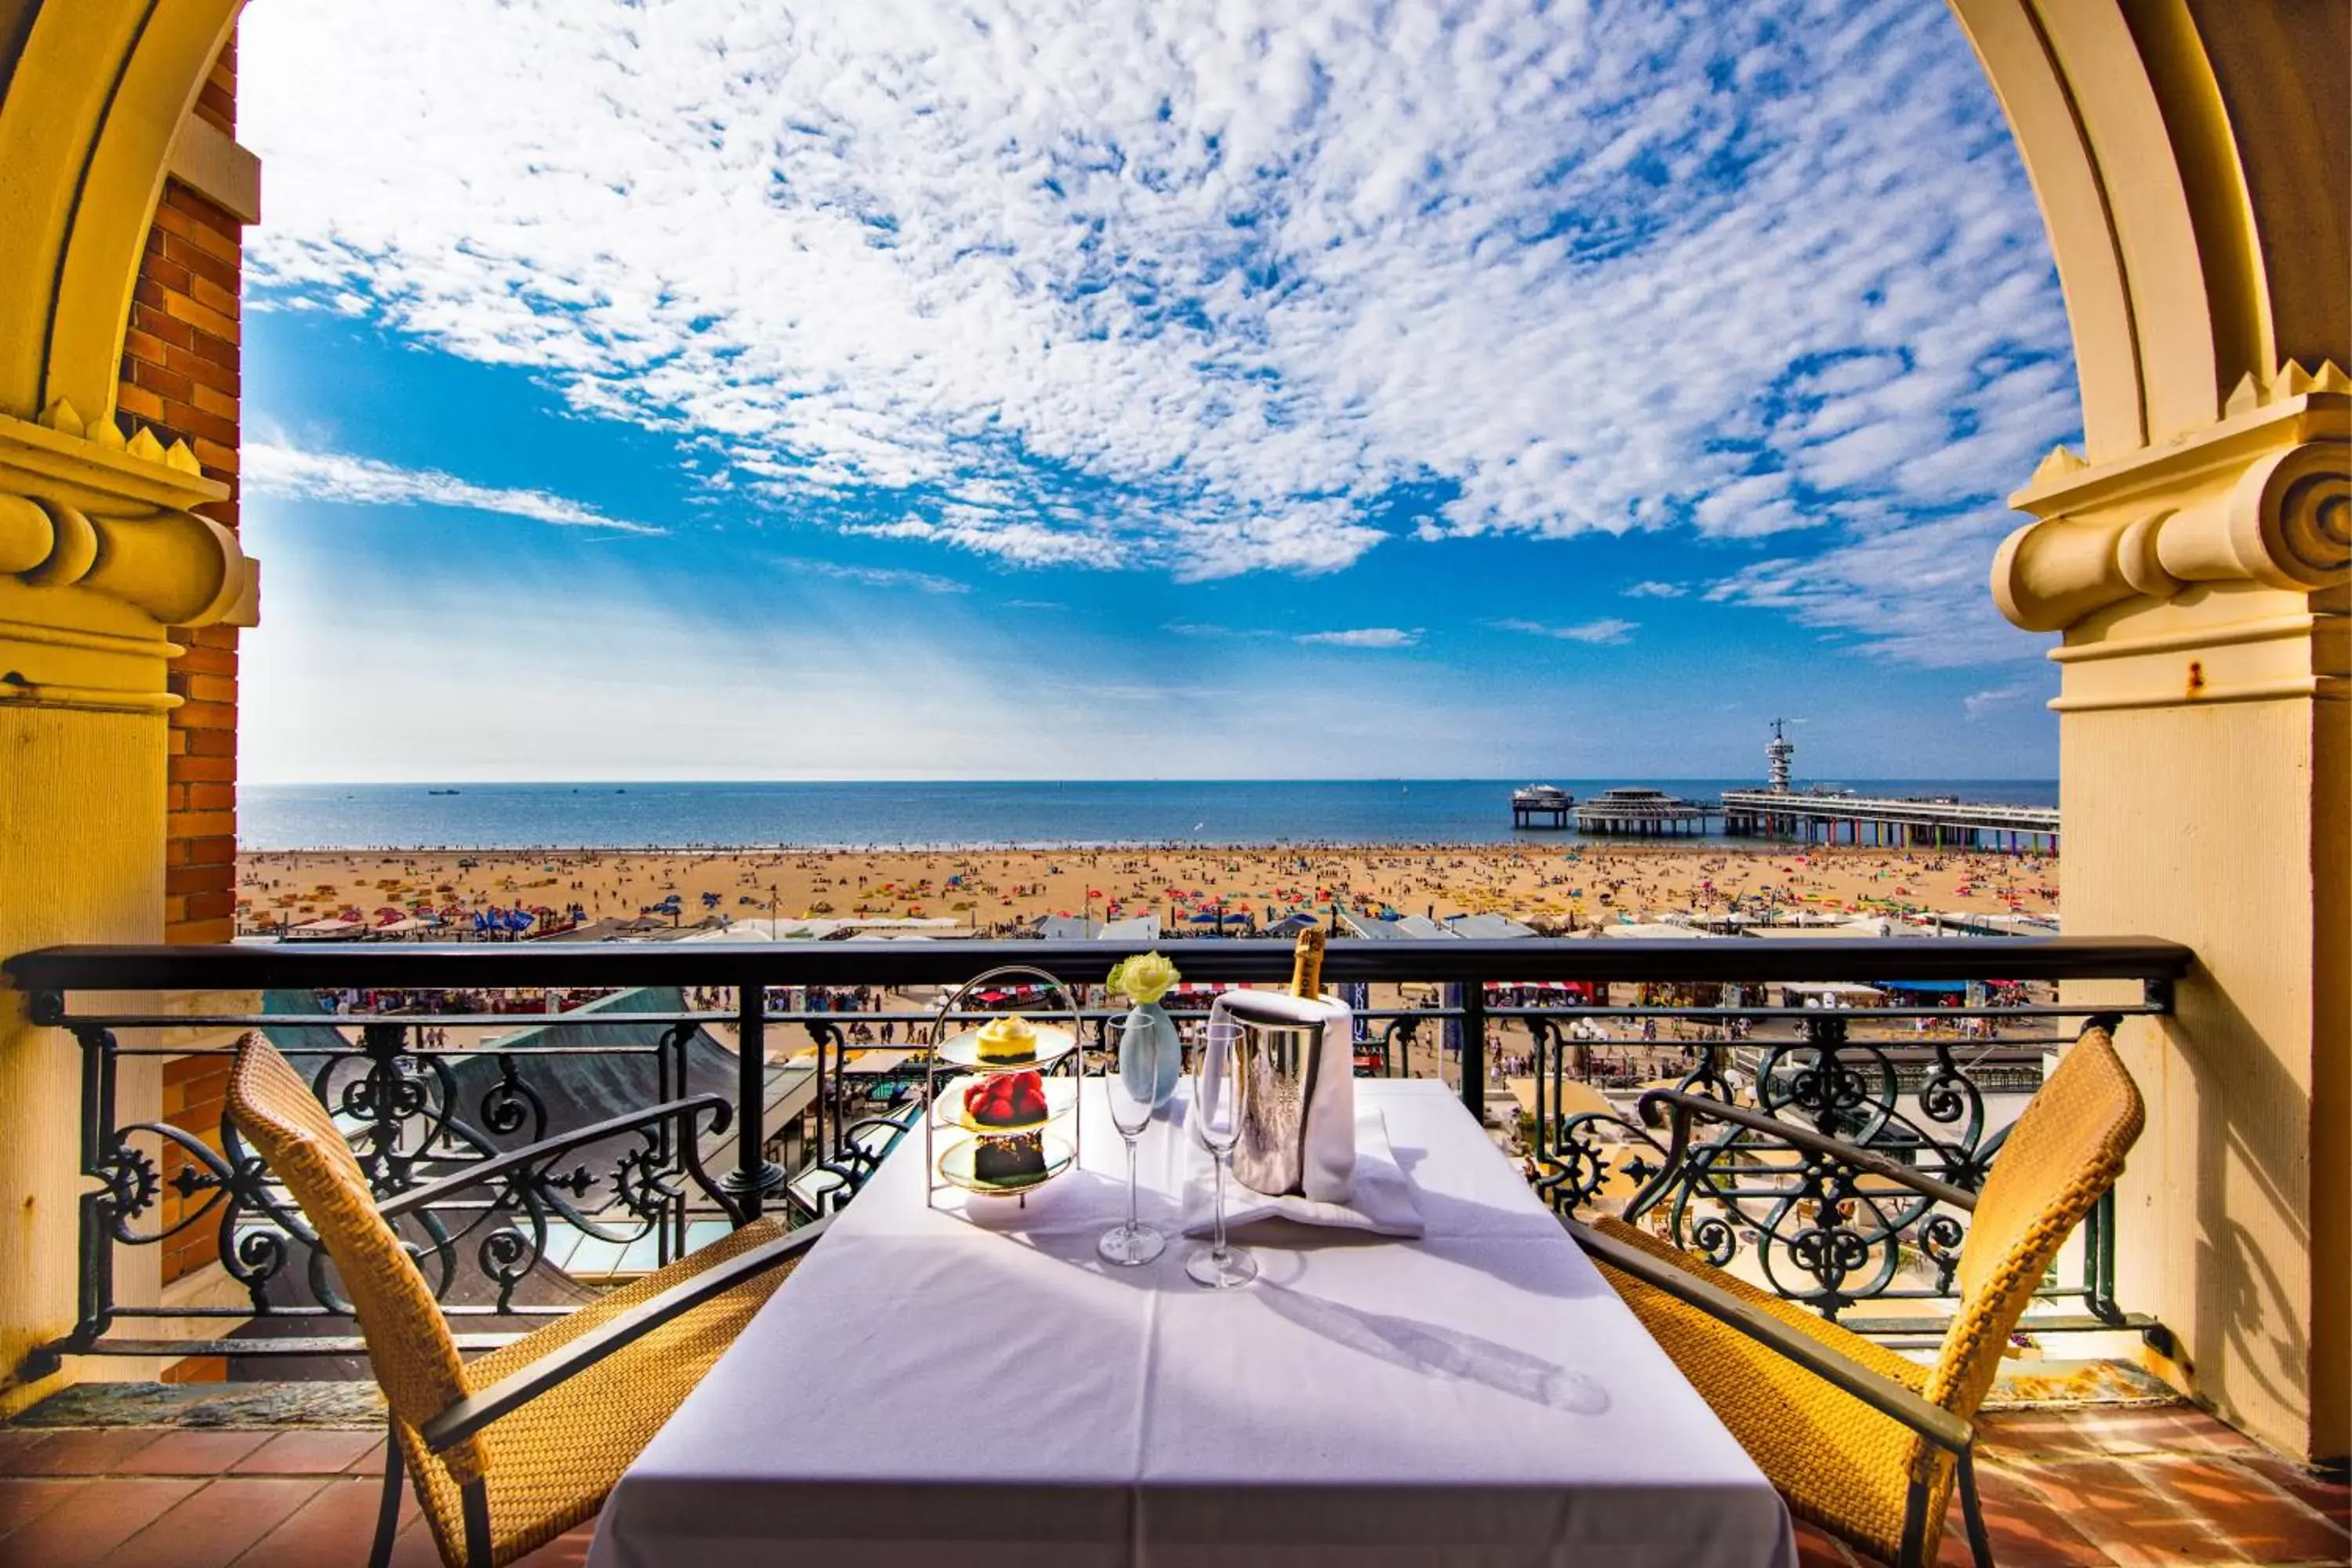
445,792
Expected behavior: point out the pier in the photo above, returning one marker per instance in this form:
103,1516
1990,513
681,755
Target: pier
1893,824
1643,813
1531,805
1828,816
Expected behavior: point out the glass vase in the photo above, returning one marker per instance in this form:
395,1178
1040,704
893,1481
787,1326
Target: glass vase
1151,1053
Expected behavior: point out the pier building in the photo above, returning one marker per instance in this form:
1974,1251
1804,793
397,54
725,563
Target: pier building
1541,806
1643,813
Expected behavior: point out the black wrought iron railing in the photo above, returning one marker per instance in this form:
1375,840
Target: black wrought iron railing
709,1082
1814,1229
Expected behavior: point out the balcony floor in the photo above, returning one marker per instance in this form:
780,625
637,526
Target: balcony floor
2126,1485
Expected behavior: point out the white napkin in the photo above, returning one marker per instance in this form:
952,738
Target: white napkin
1381,1201
1327,1162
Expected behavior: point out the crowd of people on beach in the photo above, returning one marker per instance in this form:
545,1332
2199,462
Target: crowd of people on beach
1190,891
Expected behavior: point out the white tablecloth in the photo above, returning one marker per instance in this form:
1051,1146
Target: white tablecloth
969,1385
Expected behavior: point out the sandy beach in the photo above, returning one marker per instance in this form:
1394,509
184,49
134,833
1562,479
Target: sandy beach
994,891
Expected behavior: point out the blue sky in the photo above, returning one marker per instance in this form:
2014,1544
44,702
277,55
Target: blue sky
723,389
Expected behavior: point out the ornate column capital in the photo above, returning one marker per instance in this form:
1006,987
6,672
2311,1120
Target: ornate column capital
2262,497
100,554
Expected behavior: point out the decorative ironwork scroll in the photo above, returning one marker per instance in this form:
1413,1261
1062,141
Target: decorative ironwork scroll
1810,1227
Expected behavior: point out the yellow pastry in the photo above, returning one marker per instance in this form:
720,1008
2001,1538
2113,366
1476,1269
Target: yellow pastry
1007,1039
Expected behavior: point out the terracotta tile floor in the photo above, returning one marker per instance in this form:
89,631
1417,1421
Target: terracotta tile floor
2127,1486
163,1497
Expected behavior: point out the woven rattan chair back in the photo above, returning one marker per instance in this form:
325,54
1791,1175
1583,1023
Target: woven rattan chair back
416,1361
2064,1153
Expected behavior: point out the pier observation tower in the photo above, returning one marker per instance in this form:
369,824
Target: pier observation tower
1778,752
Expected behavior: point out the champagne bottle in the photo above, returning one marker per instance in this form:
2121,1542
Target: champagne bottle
1307,965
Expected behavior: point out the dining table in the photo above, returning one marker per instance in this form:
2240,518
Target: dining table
956,1379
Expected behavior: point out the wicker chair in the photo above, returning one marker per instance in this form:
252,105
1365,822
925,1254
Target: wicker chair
1861,1441
509,1450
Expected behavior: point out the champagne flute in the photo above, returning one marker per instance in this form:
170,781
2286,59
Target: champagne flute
1134,1243
1220,1093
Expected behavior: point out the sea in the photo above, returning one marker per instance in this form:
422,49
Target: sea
884,816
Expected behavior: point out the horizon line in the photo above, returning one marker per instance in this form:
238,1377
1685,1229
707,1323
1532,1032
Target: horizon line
1231,779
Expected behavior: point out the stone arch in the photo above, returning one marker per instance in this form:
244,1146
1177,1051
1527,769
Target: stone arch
2195,200
97,91
2191,159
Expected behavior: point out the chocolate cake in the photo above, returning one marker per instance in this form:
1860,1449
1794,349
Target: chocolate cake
1009,1160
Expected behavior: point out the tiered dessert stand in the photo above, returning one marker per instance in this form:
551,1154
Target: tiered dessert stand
952,1139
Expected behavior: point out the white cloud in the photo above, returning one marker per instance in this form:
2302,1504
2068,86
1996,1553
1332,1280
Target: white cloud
1752,507
1911,591
1654,590
1365,636
270,470
1978,704
874,577
1193,288
1608,631
1022,544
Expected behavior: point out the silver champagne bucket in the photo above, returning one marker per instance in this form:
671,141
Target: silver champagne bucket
1274,1067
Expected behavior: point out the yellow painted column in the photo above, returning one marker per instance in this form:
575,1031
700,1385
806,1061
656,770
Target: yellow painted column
2193,162
100,553
2203,720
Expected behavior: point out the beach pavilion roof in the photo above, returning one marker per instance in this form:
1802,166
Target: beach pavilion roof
1488,928
1404,928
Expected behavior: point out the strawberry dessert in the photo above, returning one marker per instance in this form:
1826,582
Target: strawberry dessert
1006,1100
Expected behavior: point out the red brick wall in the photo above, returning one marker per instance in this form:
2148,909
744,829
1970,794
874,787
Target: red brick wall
181,374
180,377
